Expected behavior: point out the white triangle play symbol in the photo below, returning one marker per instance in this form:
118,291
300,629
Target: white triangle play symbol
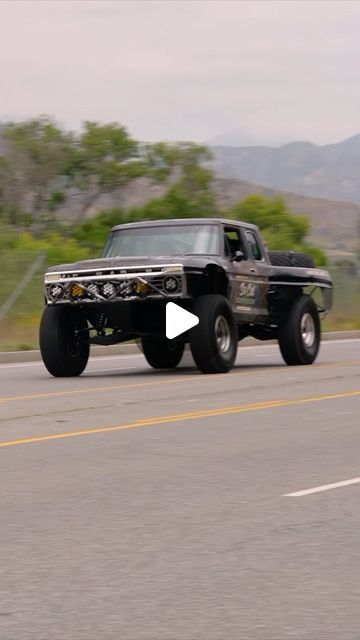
178,320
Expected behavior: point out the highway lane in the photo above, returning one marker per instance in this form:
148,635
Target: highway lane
176,524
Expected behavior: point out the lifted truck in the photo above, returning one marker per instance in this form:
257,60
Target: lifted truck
219,270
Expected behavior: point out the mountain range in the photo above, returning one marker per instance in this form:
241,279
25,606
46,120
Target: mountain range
331,171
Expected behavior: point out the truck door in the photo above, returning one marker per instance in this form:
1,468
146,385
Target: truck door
248,276
259,268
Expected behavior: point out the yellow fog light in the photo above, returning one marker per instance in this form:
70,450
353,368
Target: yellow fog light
141,287
77,291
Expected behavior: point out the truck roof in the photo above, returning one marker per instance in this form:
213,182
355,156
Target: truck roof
182,221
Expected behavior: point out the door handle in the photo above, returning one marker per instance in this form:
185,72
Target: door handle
253,270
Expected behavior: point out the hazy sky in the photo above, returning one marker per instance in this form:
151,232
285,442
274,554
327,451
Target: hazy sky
270,71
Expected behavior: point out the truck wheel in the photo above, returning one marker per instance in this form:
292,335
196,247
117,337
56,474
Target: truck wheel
213,342
64,342
162,353
299,337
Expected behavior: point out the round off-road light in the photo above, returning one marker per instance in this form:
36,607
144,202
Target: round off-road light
171,284
56,291
93,288
108,289
77,291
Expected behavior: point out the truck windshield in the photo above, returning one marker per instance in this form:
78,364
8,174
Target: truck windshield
163,241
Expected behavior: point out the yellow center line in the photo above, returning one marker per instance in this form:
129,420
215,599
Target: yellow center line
181,417
196,377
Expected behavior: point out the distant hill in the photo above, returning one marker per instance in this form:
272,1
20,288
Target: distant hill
331,171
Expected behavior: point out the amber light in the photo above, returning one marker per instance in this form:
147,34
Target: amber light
77,291
141,288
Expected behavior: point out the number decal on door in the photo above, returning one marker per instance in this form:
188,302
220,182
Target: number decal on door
247,293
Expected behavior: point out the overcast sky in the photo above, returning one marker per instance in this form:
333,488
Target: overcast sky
258,72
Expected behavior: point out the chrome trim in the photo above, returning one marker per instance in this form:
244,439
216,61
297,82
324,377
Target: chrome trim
114,276
178,268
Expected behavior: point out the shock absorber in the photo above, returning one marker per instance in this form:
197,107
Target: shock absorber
99,323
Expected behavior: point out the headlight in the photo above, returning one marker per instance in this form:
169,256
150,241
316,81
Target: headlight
108,289
171,284
93,288
176,268
55,292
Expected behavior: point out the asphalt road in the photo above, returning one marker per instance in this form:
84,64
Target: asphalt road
138,504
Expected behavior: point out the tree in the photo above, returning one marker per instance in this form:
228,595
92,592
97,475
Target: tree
39,154
43,163
190,183
281,229
172,161
105,159
189,193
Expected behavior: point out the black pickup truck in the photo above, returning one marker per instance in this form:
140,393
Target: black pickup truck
219,270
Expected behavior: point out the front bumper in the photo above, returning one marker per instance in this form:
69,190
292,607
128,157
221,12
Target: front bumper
115,284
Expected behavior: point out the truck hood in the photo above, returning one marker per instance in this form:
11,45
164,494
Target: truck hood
188,261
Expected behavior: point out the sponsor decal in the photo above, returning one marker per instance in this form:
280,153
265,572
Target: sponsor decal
246,293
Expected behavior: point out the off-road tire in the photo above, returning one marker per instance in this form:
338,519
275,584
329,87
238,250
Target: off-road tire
291,259
162,353
300,335
214,341
64,341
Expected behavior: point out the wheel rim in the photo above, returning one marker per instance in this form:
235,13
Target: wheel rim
74,345
172,346
308,331
75,341
222,334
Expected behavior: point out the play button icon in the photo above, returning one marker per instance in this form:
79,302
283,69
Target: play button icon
178,320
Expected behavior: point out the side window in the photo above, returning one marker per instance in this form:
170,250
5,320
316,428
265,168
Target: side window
232,241
255,249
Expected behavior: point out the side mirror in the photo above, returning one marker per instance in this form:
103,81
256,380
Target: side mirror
238,256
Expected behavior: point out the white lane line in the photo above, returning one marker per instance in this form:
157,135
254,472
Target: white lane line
323,487
339,341
267,355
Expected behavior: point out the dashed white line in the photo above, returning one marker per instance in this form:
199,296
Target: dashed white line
323,487
266,355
